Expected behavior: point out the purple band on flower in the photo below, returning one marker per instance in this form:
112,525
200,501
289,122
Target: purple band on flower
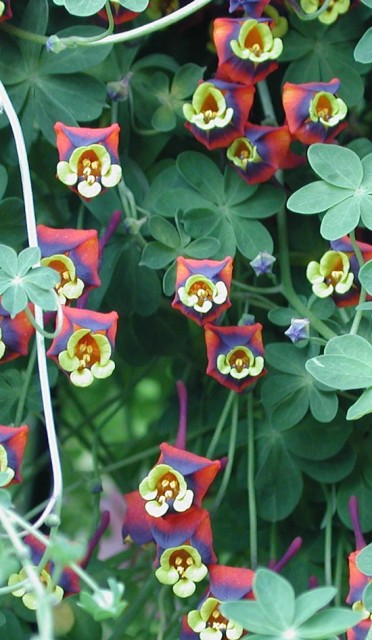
15,335
12,445
202,288
230,583
351,297
313,112
218,112
260,152
191,528
246,49
252,8
235,355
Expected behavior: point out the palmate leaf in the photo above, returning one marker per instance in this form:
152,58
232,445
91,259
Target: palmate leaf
365,276
336,165
362,406
346,363
276,597
81,7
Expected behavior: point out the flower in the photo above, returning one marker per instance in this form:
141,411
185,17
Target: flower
235,355
15,335
262,263
246,49
298,329
351,297
119,13
181,567
253,8
84,346
202,288
218,112
88,158
5,11
357,580
166,509
313,112
278,24
74,255
262,150
330,275
207,622
12,445
330,15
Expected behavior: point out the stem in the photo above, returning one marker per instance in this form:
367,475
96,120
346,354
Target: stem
220,424
54,503
363,293
43,612
328,537
230,455
252,510
25,387
40,329
265,290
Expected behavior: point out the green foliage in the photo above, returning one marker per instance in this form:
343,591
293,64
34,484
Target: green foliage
276,612
345,190
106,603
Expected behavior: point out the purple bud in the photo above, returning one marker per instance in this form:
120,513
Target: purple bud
118,91
263,263
299,329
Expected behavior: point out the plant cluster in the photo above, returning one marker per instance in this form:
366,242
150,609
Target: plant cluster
186,200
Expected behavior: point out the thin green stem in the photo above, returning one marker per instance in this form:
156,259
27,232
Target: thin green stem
161,614
363,293
220,424
328,518
339,570
43,612
56,497
255,299
230,454
253,289
24,35
25,386
252,509
47,334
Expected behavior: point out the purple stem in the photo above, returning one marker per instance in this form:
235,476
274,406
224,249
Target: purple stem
182,425
110,230
355,521
105,521
293,548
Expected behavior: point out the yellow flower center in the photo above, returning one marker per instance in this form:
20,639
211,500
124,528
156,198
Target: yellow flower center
238,359
87,350
181,560
202,291
89,166
167,488
216,620
254,42
209,108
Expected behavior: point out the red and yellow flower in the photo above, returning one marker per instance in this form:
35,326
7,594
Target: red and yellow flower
330,275
12,445
84,346
15,335
89,160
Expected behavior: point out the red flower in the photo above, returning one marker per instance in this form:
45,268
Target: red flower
235,355
84,346
15,335
88,158
258,154
351,297
74,255
246,49
6,11
218,112
12,445
313,112
202,288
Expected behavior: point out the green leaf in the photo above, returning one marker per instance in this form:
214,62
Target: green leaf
335,164
185,80
346,363
163,119
42,278
5,499
251,237
365,203
134,5
362,52
329,622
367,597
74,59
364,560
14,300
3,180
83,8
26,259
310,602
275,596
341,219
332,469
250,616
278,481
305,439
8,260
202,248
164,232
361,407
317,197
157,255
323,404
202,174
365,276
